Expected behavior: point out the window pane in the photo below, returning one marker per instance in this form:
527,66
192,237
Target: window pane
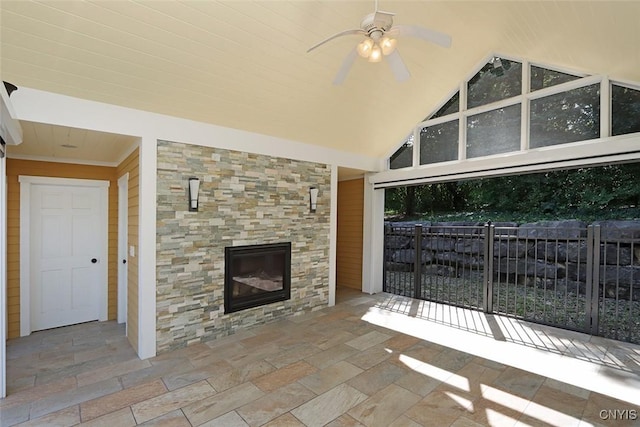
404,156
625,110
543,77
493,132
566,117
439,143
499,79
450,107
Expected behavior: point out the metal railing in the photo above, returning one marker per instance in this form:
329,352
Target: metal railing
579,278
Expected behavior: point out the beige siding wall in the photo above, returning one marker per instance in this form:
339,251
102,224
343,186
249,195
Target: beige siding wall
58,170
349,245
130,165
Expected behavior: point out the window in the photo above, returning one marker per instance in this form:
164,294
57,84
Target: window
493,132
403,157
543,77
450,107
498,79
566,117
485,117
439,143
625,110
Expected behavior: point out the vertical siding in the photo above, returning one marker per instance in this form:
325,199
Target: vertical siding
130,165
349,244
57,170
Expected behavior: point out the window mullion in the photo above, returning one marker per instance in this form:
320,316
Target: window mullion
494,105
416,146
462,122
564,87
525,106
605,107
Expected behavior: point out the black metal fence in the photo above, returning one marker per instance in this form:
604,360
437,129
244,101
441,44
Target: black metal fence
574,276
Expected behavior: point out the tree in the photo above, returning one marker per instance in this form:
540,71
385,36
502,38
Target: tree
609,191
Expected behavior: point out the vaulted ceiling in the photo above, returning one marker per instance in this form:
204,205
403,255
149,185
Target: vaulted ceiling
243,64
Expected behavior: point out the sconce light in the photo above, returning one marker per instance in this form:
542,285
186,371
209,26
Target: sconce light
194,186
313,198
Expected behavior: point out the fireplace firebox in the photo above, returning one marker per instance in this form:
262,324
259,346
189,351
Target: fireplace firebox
256,275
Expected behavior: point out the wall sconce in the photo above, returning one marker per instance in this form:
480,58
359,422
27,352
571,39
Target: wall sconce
194,186
313,199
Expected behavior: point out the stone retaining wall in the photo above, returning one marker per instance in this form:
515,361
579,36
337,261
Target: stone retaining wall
551,254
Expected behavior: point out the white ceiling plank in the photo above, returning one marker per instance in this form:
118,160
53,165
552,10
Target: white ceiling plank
243,64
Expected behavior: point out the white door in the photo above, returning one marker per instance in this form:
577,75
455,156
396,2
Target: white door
67,254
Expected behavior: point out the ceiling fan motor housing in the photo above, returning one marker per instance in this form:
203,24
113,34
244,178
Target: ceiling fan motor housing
377,22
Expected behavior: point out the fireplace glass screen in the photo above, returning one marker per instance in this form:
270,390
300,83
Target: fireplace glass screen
256,275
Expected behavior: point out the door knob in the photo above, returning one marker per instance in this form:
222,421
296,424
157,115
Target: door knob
124,261
94,260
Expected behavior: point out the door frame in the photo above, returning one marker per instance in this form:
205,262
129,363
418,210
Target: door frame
3,272
123,233
25,237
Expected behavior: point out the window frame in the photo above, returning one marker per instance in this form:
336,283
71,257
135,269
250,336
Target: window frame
524,99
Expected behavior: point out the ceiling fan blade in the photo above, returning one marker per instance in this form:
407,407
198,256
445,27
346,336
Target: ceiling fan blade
345,67
436,37
340,34
398,67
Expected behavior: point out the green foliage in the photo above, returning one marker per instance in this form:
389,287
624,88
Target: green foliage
604,192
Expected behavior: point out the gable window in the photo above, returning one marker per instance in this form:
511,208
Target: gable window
499,79
510,106
449,107
566,117
403,157
500,126
542,78
625,110
439,143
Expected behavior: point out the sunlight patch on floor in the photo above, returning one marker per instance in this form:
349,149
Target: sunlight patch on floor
505,402
561,355
435,372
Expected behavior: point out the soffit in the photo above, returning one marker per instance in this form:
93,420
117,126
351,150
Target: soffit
71,145
243,64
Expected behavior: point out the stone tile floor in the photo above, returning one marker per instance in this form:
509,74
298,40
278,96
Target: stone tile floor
372,360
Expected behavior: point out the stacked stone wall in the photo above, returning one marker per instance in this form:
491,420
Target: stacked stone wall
244,199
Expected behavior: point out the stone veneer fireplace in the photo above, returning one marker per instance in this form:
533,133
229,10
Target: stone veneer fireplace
245,199
256,275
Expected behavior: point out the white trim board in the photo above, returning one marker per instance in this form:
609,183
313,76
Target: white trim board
123,224
597,151
333,235
46,107
147,248
3,278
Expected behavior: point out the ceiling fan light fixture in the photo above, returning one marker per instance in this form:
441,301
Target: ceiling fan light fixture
365,48
380,43
376,54
388,45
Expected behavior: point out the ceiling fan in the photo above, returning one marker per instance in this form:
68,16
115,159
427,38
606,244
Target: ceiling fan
379,42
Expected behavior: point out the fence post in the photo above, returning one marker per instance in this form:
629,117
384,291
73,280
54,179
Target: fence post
487,285
385,255
593,279
417,263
